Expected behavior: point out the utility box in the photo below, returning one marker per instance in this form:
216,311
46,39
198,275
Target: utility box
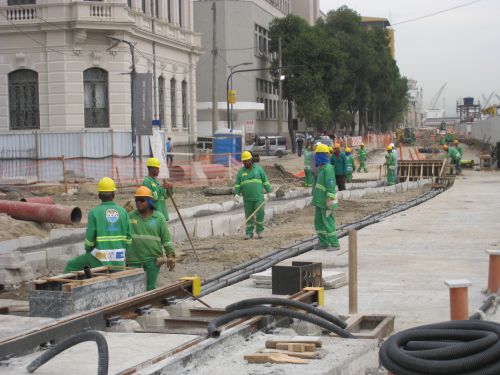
80,291
292,279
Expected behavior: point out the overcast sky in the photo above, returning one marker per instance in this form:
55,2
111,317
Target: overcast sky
460,47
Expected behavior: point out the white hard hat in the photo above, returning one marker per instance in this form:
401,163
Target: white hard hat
392,145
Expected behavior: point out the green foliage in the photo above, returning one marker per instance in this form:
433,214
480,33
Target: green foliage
336,69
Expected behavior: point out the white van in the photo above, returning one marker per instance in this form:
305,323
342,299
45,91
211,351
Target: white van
277,145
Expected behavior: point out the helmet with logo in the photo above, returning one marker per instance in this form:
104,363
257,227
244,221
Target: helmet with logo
153,162
106,185
143,191
322,148
246,155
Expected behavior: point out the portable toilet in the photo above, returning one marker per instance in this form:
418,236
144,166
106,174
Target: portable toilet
227,142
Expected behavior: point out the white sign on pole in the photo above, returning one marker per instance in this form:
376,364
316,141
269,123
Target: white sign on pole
250,126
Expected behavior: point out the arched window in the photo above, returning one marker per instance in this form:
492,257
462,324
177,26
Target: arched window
173,99
23,100
184,105
161,99
95,87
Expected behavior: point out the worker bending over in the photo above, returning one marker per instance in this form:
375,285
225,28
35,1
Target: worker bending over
390,162
151,245
251,181
351,166
160,193
455,158
325,201
339,162
108,233
362,158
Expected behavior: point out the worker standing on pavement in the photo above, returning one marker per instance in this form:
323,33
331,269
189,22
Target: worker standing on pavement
251,181
362,158
308,178
395,152
151,245
390,162
108,232
325,201
454,156
160,193
351,166
339,162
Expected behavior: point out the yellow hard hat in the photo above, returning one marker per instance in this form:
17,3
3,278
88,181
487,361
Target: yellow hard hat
389,148
362,144
336,145
330,149
143,191
106,185
322,148
347,149
153,162
246,155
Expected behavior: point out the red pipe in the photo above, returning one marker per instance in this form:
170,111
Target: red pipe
180,172
46,200
213,171
43,213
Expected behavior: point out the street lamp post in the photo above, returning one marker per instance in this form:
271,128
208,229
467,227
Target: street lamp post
230,110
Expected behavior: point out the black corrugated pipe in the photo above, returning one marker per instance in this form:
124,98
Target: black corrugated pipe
485,307
102,351
459,347
286,302
213,325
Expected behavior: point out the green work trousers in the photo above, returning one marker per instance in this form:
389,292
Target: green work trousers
82,261
324,223
349,177
152,272
362,165
391,175
308,181
250,207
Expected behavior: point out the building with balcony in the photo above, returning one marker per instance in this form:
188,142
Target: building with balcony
65,65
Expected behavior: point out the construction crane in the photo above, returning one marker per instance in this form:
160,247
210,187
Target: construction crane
487,101
433,111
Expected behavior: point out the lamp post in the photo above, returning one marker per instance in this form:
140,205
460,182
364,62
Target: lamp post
230,113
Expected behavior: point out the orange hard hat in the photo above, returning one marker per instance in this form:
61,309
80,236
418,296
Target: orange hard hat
143,191
455,141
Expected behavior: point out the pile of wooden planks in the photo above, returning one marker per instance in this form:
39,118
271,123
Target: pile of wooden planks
297,350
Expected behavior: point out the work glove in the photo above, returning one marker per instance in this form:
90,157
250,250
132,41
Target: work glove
168,186
332,203
267,196
160,261
171,262
237,199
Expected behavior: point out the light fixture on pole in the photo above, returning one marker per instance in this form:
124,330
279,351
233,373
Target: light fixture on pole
230,110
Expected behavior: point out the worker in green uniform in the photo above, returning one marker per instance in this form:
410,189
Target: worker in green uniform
339,162
325,201
390,162
160,193
151,245
362,158
458,148
455,158
351,166
251,181
308,176
108,233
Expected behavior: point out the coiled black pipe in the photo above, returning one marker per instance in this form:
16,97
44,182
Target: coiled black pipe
460,347
102,351
286,302
213,325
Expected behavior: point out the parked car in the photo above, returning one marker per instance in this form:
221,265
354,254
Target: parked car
326,140
278,145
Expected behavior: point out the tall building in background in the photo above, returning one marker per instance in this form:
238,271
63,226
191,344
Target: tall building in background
414,113
380,23
308,9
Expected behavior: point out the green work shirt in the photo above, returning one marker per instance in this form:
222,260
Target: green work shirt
460,150
251,183
108,233
391,161
339,163
325,186
350,164
453,154
307,158
159,195
150,237
362,154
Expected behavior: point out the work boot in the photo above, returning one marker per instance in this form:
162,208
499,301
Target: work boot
320,247
260,235
248,236
333,248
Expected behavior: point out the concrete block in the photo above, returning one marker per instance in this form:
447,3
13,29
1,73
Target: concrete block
220,226
203,228
177,233
268,213
124,326
390,189
180,310
9,245
300,204
372,184
187,212
279,209
153,319
228,206
399,188
10,279
305,328
12,261
341,194
215,207
36,259
235,221
356,194
31,241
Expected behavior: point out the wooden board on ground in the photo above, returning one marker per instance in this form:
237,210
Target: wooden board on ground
296,347
306,355
271,344
273,358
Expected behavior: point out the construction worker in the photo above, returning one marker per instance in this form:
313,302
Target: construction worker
454,156
151,245
324,201
390,162
362,158
458,148
314,169
160,193
251,181
339,162
108,232
395,152
351,166
308,177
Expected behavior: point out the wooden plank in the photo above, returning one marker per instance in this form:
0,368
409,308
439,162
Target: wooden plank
271,344
306,355
273,358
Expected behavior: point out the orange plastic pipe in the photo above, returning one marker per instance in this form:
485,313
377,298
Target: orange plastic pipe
40,212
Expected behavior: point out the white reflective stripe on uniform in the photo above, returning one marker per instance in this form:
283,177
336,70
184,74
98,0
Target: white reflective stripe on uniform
392,167
114,255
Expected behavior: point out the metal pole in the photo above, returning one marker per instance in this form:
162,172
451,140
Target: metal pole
227,99
231,117
280,88
215,113
353,271
133,77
